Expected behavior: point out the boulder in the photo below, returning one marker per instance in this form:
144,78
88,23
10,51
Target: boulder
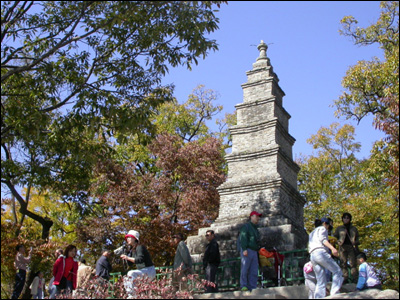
367,294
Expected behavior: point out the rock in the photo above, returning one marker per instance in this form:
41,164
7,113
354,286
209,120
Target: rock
300,292
367,294
388,294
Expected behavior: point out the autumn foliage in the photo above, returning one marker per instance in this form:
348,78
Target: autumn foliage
42,257
144,288
334,181
178,193
372,87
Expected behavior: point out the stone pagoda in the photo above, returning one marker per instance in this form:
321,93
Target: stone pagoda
262,175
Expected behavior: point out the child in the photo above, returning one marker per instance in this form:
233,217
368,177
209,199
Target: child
37,286
310,279
367,278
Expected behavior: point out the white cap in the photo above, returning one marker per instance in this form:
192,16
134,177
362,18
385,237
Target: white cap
132,233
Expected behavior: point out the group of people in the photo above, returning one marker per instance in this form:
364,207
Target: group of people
321,266
69,275
183,262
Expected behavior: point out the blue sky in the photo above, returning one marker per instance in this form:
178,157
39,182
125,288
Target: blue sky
306,51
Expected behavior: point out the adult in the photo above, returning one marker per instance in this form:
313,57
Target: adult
250,245
211,261
333,241
85,273
182,263
37,286
65,271
52,287
103,267
21,262
308,272
348,241
367,278
318,246
139,256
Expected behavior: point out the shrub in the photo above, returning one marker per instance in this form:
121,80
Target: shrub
144,288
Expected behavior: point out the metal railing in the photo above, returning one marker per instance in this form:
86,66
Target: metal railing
228,275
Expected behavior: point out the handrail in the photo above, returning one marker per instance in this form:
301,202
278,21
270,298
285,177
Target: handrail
228,275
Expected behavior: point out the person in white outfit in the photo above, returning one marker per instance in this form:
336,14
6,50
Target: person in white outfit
318,246
138,255
37,286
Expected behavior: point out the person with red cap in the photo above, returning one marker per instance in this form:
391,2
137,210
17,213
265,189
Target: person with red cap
139,256
250,245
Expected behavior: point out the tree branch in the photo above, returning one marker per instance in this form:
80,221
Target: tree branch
45,222
9,23
63,42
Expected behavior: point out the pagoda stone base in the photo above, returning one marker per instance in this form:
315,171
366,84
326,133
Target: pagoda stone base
275,231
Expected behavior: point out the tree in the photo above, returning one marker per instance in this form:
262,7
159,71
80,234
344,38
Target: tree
77,75
335,181
29,236
189,121
180,196
373,86
327,180
48,206
166,186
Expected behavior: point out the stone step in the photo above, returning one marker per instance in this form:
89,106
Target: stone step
242,295
283,292
291,292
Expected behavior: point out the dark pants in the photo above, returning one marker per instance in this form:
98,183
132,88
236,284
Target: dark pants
378,286
347,253
68,290
211,272
20,278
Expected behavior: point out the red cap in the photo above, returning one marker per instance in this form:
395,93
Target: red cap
255,213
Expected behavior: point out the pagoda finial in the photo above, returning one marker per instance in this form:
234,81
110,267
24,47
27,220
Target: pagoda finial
262,47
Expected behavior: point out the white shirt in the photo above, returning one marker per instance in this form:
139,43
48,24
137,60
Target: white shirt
317,238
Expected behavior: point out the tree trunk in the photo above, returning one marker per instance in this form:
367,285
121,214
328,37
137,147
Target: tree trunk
45,222
26,292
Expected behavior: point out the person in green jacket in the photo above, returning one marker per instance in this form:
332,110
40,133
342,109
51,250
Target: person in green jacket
250,245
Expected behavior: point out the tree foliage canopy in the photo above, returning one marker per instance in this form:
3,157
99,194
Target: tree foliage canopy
157,183
165,186
334,181
178,195
77,75
373,86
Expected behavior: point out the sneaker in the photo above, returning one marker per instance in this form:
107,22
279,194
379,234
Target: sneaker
244,289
